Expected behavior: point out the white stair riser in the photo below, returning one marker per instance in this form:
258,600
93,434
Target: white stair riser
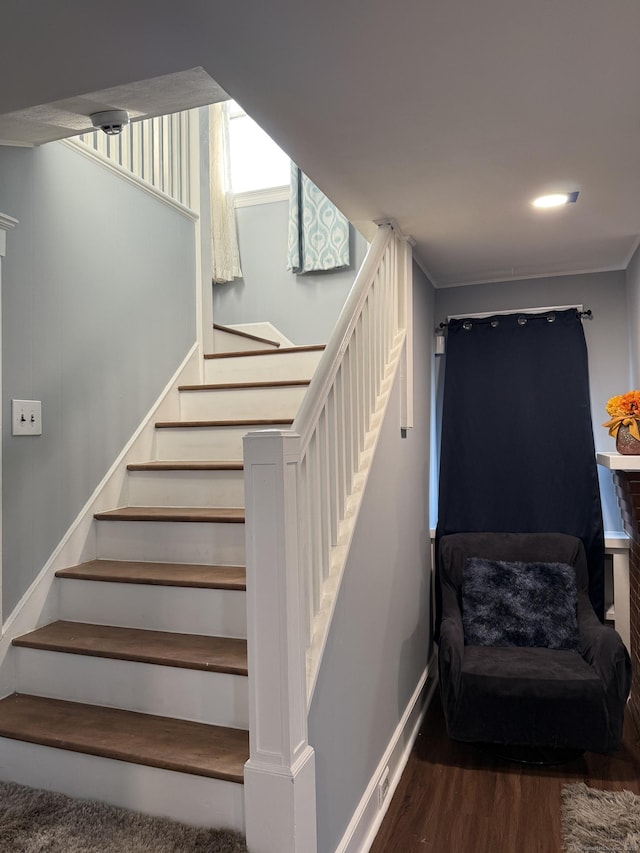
171,542
187,610
278,402
197,800
255,368
217,698
186,488
226,342
193,444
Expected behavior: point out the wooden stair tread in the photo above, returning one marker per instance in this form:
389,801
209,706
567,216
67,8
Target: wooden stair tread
186,466
235,386
247,335
231,515
158,574
180,745
254,422
164,648
261,352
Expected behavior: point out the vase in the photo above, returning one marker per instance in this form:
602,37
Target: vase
626,444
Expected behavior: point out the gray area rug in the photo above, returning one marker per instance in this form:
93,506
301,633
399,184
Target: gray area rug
595,821
34,821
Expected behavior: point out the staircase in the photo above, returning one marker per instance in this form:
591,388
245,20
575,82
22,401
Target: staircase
137,693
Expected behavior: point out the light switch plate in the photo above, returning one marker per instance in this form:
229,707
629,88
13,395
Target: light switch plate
26,417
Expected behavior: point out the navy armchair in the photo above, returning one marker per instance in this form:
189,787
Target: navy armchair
541,671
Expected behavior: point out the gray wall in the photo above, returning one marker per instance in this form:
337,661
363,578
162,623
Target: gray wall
97,314
303,307
379,642
633,298
606,334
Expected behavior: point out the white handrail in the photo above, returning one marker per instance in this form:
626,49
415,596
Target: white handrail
303,489
156,150
334,424
327,369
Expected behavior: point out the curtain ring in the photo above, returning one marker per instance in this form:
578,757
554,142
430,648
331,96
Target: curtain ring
495,323
551,318
467,325
522,321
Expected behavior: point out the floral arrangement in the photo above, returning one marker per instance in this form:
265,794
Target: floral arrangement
624,410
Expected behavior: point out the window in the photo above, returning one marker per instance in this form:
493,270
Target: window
259,168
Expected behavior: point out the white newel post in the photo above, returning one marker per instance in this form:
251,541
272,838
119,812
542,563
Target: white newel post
6,222
280,800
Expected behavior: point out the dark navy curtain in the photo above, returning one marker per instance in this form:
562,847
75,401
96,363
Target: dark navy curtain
517,451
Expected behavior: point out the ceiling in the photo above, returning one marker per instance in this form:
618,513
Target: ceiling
447,116
141,99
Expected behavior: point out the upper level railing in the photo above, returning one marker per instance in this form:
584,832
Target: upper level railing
156,150
163,156
303,490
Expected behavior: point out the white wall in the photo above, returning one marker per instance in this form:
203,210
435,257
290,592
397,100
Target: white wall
606,334
380,638
303,307
97,314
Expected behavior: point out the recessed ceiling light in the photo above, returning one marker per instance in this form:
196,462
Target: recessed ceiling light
555,199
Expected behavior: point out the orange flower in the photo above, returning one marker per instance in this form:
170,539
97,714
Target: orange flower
624,410
625,405
613,406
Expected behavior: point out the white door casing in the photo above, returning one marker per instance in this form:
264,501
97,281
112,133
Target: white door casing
6,222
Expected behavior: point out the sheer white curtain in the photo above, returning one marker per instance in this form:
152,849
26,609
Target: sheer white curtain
225,257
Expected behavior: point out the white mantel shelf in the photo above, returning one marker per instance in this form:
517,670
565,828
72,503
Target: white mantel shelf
618,462
617,544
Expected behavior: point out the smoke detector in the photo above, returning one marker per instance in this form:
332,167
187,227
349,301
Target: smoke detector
110,121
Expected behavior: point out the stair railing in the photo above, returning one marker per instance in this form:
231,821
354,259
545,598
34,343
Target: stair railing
163,155
302,493
157,150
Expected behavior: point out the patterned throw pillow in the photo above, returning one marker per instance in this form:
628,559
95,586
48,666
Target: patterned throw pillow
519,604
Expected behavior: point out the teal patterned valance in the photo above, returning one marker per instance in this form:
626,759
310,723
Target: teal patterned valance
318,232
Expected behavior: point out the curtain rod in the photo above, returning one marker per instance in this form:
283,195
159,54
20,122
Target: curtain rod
483,315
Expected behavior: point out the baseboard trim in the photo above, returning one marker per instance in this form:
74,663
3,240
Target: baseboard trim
368,816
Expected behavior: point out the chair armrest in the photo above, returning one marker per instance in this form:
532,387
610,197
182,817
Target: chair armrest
604,650
450,656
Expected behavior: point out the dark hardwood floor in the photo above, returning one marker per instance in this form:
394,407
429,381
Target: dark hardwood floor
457,798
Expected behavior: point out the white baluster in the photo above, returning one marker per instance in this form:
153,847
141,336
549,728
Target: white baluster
333,465
341,441
304,528
315,531
185,146
325,507
175,188
405,288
